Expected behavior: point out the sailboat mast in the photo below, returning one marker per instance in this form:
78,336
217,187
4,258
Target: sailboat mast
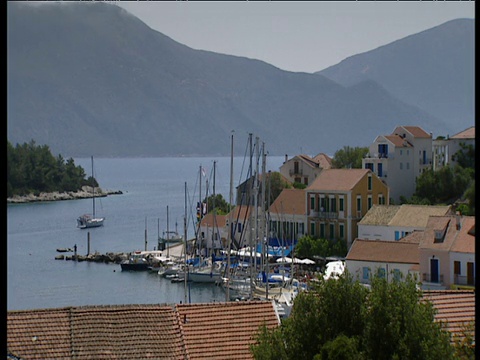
168,236
229,230
93,189
185,271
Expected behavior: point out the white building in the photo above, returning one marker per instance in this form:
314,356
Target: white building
399,158
445,149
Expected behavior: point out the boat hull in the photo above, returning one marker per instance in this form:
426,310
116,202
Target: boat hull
135,267
204,277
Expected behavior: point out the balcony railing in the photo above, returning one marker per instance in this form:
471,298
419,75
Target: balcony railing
327,215
430,279
292,172
463,280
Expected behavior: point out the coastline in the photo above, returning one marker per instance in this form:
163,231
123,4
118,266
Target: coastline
85,193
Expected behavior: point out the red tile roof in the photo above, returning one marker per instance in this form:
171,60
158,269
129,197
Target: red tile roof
465,134
337,179
398,141
324,161
417,131
454,307
290,201
223,330
192,331
453,239
384,251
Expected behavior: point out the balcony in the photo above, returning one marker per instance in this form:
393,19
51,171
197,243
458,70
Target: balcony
327,215
464,280
428,278
293,172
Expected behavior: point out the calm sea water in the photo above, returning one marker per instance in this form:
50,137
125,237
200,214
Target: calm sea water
35,280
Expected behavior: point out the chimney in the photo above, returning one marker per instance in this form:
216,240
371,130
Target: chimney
458,218
286,158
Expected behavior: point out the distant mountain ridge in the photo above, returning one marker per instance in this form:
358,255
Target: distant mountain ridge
433,70
89,78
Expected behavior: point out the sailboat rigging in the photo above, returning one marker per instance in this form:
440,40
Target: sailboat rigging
90,220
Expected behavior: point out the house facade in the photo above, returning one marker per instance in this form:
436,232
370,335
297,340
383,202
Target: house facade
447,252
393,222
389,259
399,158
304,169
338,199
445,149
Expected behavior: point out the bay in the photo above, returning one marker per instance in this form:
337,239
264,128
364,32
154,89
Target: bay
35,280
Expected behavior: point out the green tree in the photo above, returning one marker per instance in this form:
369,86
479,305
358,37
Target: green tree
308,246
349,157
274,186
340,319
218,203
465,157
32,168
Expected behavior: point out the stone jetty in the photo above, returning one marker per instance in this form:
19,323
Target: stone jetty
115,258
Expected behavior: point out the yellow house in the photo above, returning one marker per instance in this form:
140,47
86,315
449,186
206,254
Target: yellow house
339,198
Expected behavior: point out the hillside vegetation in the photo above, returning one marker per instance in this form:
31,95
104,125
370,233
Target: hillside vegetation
32,169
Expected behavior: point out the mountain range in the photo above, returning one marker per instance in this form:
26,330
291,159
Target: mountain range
89,78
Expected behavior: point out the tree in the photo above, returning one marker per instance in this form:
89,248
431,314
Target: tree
308,246
349,157
342,319
218,203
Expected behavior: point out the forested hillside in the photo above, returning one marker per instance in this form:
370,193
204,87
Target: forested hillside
32,168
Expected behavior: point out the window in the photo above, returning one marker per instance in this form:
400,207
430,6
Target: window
381,200
407,165
333,204
323,206
305,180
322,230
369,166
312,229
397,235
369,202
401,152
312,203
359,203
369,182
397,274
332,231
340,204
295,167
366,273
456,268
341,231
381,273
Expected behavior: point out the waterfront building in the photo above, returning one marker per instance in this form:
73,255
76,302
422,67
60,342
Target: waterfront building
399,158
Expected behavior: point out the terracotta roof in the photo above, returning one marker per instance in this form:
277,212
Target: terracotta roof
289,201
452,239
323,160
403,215
192,331
211,221
224,330
465,134
454,307
414,237
99,332
417,131
384,251
338,179
398,141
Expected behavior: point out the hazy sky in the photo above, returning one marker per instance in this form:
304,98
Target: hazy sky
295,36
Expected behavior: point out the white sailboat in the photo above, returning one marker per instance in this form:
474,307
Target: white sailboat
86,221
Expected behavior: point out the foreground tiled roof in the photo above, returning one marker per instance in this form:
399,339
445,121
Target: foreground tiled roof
223,330
193,331
454,307
416,131
95,332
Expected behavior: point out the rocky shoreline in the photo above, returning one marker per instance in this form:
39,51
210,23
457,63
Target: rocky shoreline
85,193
